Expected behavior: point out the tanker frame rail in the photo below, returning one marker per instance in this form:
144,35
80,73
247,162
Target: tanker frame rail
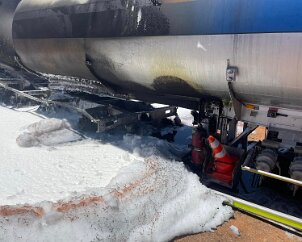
107,114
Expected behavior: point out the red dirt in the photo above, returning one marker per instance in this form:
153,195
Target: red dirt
250,228
65,207
7,211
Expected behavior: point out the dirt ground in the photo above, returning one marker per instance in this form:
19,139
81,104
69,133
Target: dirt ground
250,229
258,134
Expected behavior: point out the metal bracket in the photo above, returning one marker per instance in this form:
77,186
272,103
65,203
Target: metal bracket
243,136
231,73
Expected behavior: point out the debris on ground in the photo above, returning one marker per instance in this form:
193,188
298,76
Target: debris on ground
47,132
235,230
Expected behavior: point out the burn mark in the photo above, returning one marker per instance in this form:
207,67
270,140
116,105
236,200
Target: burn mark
91,65
153,22
104,69
174,85
156,3
119,18
100,19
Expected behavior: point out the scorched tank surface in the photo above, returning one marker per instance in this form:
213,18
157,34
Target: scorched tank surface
175,48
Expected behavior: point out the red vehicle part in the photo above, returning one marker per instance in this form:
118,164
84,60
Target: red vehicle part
199,151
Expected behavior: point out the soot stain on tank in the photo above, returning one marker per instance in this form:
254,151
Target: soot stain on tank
105,69
153,22
174,85
144,19
101,67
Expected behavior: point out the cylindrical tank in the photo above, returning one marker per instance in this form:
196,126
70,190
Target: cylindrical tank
165,47
7,10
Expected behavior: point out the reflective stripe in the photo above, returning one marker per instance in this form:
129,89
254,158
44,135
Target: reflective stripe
263,212
218,149
220,154
214,144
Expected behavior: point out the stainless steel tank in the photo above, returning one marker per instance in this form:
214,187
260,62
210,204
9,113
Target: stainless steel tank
7,10
167,48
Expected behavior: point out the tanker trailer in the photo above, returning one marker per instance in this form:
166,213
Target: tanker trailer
230,61
169,48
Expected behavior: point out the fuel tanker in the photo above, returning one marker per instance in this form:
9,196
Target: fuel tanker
229,60
173,49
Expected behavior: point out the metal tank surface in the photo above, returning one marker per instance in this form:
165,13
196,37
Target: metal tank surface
7,10
169,48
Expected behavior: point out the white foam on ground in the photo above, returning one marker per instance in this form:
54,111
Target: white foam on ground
146,195
47,132
168,202
31,175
